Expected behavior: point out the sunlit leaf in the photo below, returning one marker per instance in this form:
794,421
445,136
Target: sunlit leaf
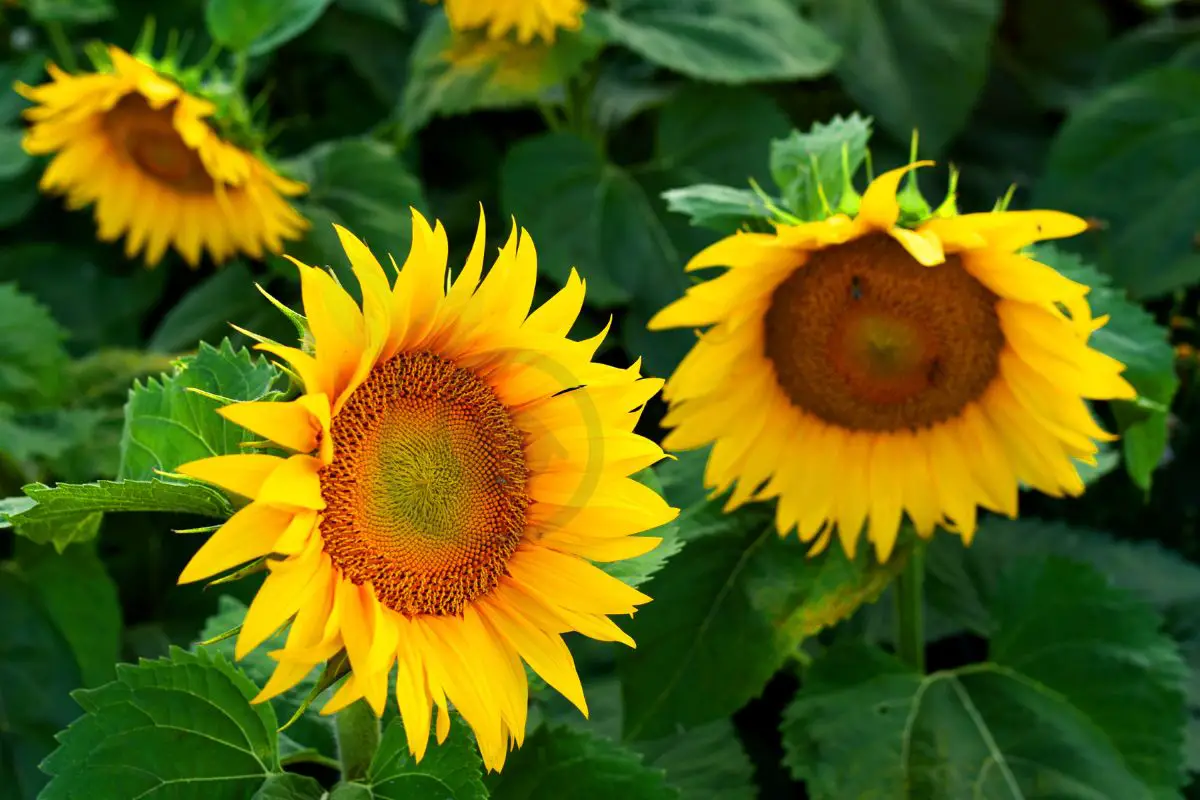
182,725
67,513
166,424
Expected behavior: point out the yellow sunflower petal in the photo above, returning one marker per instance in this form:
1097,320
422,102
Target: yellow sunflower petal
241,474
879,209
248,534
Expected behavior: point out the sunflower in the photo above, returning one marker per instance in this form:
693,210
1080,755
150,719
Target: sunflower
456,466
529,18
857,370
138,146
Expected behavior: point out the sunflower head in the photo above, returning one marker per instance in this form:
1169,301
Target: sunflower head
452,470
526,19
858,370
134,142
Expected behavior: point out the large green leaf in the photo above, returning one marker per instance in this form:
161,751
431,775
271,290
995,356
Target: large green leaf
1138,135
310,729
452,73
31,372
1142,345
704,763
728,611
290,786
166,424
694,145
180,727
963,582
561,763
363,186
37,673
68,513
449,771
586,213
1039,719
260,26
913,63
81,599
720,41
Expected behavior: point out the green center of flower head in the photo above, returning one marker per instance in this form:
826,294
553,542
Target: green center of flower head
864,337
425,497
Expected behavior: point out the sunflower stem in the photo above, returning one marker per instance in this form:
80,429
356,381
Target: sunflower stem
357,739
62,46
910,603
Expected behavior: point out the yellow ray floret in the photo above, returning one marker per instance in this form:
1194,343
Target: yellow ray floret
858,371
136,146
524,18
456,466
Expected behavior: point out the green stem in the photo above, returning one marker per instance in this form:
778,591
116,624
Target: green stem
62,46
357,739
910,601
241,63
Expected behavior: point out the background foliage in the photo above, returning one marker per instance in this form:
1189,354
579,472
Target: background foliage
1064,648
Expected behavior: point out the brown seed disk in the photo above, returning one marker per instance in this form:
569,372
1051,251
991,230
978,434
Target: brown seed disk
147,137
425,497
864,337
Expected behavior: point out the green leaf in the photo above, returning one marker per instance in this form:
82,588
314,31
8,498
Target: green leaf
69,513
1138,135
363,186
1039,719
77,12
167,425
81,599
561,763
46,435
101,304
808,167
452,73
13,158
449,771
228,295
697,146
586,213
728,611
34,359
705,763
1136,340
311,729
290,787
390,11
37,673
260,26
180,726
720,41
913,65
963,582
721,208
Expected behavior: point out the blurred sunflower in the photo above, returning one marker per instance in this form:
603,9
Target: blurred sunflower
529,18
857,370
133,142
458,464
